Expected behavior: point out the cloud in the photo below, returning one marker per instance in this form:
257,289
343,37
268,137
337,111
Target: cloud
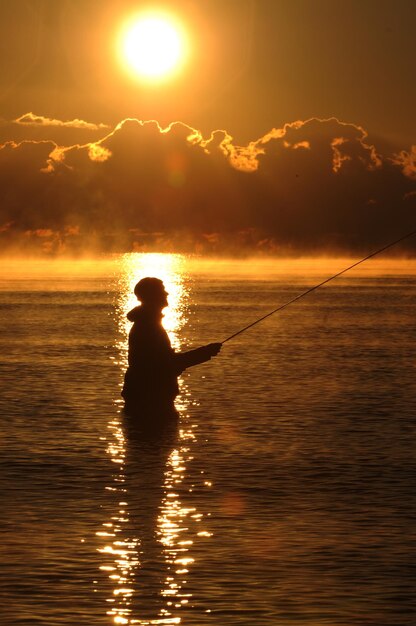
311,186
31,119
407,161
32,127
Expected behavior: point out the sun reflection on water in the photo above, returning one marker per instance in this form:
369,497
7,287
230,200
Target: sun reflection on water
151,531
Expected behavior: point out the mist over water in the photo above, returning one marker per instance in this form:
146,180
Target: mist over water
285,497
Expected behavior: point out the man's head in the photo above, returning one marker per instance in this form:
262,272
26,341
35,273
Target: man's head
151,291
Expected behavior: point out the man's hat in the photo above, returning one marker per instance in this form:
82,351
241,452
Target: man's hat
147,288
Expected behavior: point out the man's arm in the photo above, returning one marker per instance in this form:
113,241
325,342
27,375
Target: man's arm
183,360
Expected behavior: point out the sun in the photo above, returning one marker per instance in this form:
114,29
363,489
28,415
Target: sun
153,47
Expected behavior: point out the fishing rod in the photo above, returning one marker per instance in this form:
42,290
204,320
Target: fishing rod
304,293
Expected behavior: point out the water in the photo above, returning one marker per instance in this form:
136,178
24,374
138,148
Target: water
285,498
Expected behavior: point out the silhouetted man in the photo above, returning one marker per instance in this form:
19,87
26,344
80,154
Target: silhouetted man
150,383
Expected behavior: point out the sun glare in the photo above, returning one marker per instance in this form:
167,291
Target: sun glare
153,47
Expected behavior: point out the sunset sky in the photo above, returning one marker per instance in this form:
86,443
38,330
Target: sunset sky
296,126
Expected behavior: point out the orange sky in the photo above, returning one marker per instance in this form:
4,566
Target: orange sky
253,64
296,129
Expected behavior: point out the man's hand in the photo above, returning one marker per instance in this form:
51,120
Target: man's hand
212,349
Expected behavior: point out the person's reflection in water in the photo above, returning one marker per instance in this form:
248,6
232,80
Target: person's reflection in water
147,454
150,383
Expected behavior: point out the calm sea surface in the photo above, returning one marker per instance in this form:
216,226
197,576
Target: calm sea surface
285,498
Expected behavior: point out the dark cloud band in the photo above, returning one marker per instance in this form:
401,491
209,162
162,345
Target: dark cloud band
311,186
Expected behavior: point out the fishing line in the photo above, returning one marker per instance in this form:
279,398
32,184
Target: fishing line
304,293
